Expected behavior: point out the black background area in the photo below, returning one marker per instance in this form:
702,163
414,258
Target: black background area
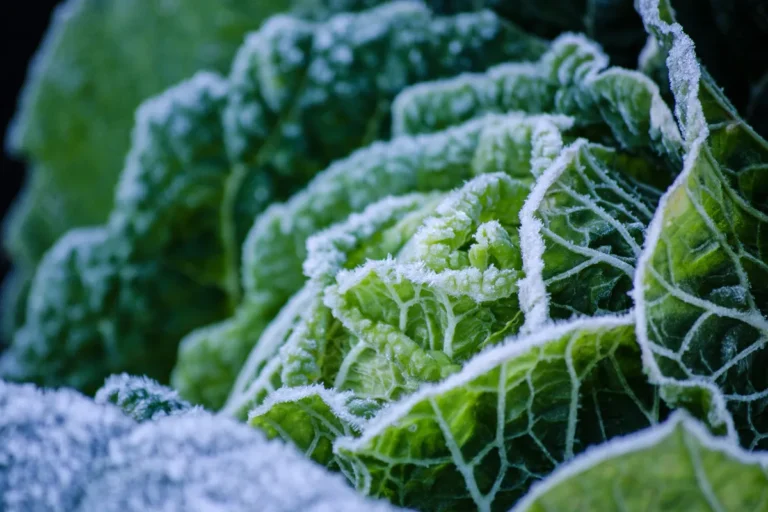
22,25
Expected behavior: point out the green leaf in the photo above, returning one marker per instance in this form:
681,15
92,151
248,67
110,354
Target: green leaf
483,216
665,468
94,313
510,417
275,248
141,398
583,227
312,418
570,78
210,358
702,283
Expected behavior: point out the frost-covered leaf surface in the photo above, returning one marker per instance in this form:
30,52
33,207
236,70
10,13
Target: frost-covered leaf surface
191,186
205,462
141,398
675,466
51,443
583,227
61,451
91,313
702,288
275,247
77,109
511,416
382,329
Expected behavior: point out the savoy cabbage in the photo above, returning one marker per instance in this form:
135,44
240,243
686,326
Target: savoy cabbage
450,255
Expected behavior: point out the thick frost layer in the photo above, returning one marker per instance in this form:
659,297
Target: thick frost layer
61,451
50,445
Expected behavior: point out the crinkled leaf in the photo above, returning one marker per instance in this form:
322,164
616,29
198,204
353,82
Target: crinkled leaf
393,324
275,248
511,416
702,284
141,398
92,313
312,418
674,466
570,78
582,231
210,358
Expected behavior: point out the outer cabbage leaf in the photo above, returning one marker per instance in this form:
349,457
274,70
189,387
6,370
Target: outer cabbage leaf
141,398
96,313
60,450
665,468
570,78
181,203
582,230
511,416
702,283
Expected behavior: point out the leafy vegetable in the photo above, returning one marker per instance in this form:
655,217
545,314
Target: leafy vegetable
190,185
463,267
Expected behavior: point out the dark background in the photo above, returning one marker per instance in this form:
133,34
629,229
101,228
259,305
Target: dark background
22,26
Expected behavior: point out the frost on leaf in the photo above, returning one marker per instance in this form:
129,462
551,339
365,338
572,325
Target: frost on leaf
702,286
666,467
275,248
204,462
312,418
141,398
288,352
51,444
186,198
62,451
316,92
92,313
509,418
570,78
582,230
169,195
